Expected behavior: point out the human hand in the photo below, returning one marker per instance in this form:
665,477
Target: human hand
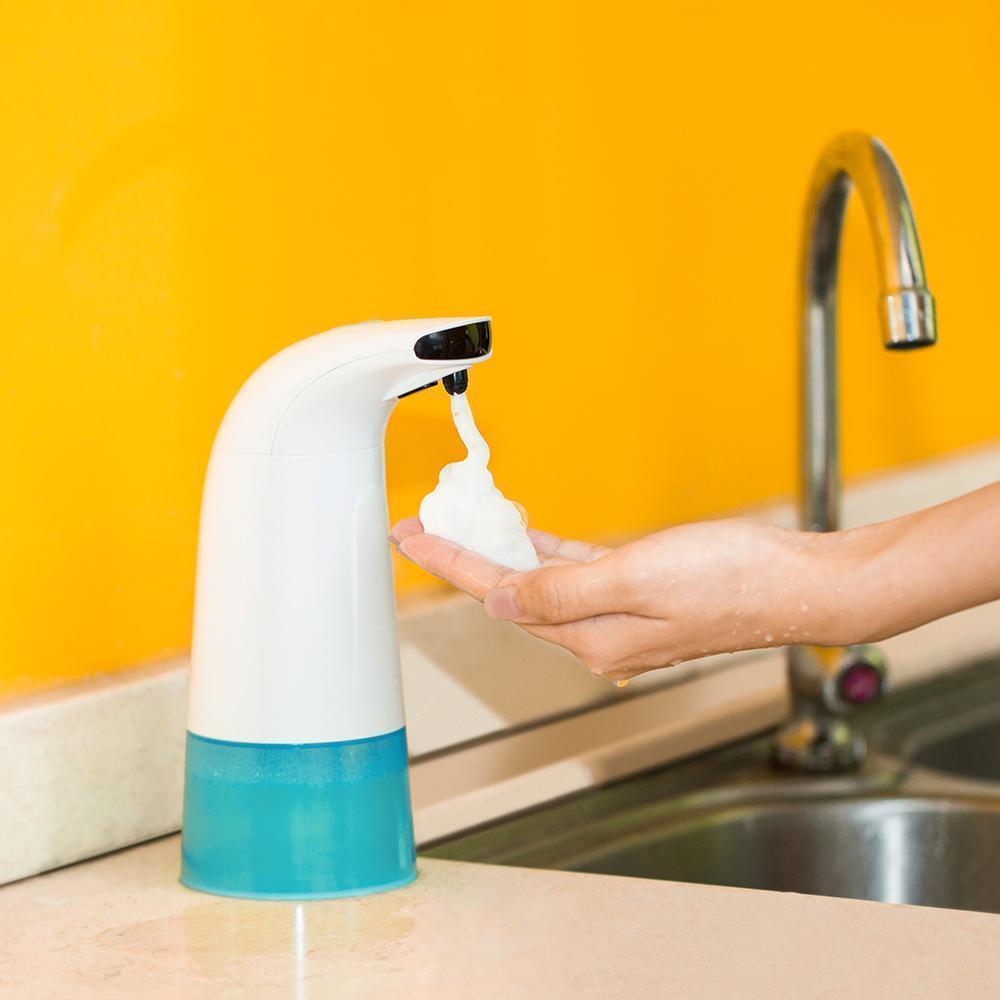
703,588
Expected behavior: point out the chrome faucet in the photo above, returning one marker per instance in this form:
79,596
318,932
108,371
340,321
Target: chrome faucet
826,684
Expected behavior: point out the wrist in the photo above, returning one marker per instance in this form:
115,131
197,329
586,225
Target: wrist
846,577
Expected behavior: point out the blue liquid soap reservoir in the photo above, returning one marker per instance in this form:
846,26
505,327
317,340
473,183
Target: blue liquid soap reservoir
296,778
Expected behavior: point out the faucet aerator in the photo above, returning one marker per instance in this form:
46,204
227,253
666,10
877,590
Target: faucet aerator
910,319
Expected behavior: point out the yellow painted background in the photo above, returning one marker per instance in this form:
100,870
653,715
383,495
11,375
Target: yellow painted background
186,187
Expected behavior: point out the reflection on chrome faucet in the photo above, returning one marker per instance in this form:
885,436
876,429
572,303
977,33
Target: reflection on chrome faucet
827,683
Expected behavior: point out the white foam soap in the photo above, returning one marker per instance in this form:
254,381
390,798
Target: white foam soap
467,508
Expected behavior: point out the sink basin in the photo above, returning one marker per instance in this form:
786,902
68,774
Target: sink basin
960,734
930,851
910,827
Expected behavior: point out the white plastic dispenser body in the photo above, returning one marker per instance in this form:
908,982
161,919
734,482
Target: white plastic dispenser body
296,774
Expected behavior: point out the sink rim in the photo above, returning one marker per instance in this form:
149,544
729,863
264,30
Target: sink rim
904,803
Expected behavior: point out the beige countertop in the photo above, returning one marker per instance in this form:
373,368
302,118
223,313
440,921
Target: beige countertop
122,926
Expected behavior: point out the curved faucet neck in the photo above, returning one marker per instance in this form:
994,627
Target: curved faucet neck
907,307
815,738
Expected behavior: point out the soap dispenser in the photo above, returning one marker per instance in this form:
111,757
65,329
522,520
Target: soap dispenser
296,778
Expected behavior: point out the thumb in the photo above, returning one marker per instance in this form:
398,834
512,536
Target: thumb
556,594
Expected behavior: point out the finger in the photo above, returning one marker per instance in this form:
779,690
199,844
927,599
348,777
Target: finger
460,567
402,529
615,646
555,560
559,594
566,548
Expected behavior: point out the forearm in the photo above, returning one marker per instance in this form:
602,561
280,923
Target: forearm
893,576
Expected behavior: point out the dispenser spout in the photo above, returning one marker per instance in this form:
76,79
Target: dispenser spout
456,383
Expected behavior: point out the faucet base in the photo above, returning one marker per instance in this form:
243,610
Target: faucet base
819,744
307,821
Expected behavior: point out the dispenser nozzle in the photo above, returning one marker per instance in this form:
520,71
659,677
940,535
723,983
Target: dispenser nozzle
457,383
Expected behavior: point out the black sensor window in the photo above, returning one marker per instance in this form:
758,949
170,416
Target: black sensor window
456,343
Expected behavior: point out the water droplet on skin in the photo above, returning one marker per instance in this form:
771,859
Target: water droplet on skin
622,683
674,663
768,637
803,606
743,588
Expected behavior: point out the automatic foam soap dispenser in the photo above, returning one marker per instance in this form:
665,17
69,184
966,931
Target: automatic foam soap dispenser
296,775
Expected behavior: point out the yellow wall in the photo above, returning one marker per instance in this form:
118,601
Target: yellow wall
186,187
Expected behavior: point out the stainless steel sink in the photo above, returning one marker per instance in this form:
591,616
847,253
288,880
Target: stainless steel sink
962,736
911,827
974,754
933,851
